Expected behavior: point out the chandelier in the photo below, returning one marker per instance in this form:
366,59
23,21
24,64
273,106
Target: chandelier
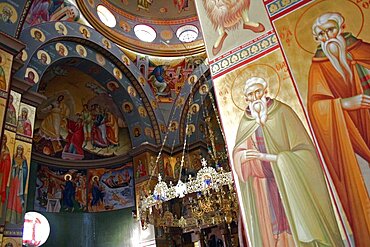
208,198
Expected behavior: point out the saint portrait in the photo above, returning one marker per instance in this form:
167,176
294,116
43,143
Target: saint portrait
194,108
191,129
37,34
173,125
5,65
331,73
112,86
43,57
117,73
106,43
8,13
192,79
131,91
85,32
60,28
81,50
137,131
127,107
149,132
61,49
141,80
125,26
25,120
31,76
100,59
203,90
142,111
125,60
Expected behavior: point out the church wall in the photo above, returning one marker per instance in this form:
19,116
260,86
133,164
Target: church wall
274,40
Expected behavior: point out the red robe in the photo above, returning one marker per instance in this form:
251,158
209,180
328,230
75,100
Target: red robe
342,133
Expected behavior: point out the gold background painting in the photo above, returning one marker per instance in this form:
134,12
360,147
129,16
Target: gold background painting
230,98
6,65
10,144
235,37
2,111
295,33
27,154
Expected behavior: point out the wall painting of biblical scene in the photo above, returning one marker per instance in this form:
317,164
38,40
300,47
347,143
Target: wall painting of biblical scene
271,153
60,190
111,188
327,47
79,119
166,76
6,157
141,163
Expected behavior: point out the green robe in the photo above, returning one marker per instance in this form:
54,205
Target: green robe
298,175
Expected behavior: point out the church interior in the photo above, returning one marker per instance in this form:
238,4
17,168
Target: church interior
194,123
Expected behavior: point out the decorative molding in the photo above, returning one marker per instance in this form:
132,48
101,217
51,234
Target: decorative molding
245,53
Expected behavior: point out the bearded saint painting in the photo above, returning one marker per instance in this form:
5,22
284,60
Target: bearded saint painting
226,15
339,109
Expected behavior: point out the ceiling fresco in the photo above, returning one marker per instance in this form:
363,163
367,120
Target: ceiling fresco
156,10
163,18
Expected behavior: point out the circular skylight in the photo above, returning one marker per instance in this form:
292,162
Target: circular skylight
145,33
106,16
187,33
36,229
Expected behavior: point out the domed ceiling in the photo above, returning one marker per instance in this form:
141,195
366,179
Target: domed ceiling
159,28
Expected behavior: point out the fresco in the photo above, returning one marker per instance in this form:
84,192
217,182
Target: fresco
327,48
79,120
6,60
26,118
266,130
226,30
141,163
60,190
111,189
6,156
12,111
56,10
18,182
166,77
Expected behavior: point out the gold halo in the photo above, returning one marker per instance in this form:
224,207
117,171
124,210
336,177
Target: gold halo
265,71
142,111
87,33
83,48
352,19
36,79
203,86
131,88
112,85
14,15
100,59
57,24
57,45
125,60
96,176
3,60
195,79
106,40
33,30
115,71
24,55
48,59
67,175
191,108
